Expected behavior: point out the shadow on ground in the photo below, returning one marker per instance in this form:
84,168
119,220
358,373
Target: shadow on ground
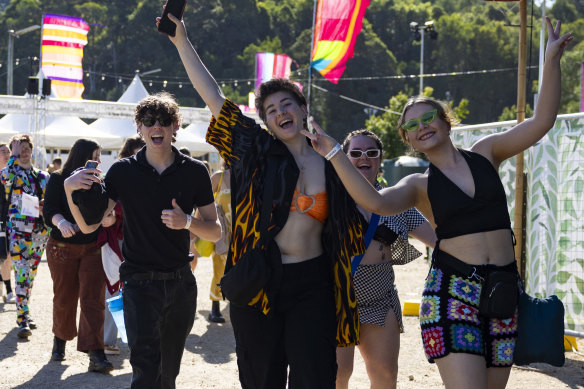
216,345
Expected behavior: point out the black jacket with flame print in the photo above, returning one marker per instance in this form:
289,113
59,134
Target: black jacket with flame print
246,149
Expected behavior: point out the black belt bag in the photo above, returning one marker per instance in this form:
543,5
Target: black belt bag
245,280
252,271
499,288
499,295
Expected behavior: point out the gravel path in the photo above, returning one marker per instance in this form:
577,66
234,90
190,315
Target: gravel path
209,358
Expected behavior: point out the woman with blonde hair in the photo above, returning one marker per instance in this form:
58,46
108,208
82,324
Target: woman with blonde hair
461,194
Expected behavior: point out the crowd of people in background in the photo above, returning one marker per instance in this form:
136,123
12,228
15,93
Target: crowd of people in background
333,292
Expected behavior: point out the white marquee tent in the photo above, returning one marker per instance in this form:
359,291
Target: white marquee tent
123,128
60,132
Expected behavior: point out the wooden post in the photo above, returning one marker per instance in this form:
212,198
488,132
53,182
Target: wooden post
520,188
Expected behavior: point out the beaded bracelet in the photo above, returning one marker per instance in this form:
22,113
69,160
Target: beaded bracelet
333,152
63,220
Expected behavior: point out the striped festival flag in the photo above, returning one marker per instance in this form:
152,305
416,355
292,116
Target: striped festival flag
338,22
270,65
63,39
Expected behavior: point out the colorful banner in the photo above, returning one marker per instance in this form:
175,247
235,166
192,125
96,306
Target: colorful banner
270,65
63,39
338,22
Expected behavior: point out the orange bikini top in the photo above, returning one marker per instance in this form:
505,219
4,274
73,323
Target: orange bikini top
315,206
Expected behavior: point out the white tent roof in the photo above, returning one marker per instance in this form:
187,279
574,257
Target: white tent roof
123,128
60,131
193,137
195,143
199,129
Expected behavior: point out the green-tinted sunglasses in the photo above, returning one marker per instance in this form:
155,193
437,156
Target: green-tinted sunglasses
413,124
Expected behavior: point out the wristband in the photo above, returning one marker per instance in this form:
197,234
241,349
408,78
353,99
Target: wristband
333,152
189,219
63,220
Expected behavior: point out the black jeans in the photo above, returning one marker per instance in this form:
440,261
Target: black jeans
299,332
159,315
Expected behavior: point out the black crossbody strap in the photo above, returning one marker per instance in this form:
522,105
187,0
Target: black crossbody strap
6,206
267,201
39,189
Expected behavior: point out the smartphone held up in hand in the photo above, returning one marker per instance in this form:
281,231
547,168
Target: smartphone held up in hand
175,7
91,164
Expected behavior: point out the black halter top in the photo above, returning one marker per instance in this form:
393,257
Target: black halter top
456,213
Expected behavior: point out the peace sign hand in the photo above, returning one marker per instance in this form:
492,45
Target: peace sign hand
321,142
556,43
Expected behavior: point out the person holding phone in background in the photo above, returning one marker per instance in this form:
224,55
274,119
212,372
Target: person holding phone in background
25,229
74,260
158,188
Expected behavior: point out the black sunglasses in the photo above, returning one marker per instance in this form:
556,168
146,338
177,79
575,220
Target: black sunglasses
149,121
371,153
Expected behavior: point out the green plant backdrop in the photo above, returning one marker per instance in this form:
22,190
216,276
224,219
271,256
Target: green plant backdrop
555,210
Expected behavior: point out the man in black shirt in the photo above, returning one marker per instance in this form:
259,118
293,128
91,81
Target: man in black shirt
159,188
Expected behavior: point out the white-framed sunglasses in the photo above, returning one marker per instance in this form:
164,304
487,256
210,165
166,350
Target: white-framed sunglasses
371,153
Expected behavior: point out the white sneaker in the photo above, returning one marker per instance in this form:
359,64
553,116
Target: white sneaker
9,298
110,349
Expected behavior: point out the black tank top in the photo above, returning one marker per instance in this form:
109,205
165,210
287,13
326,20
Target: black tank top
455,213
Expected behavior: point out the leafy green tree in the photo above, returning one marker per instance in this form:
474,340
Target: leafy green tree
472,36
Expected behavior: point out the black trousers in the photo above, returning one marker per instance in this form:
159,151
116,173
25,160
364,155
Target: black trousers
159,315
299,332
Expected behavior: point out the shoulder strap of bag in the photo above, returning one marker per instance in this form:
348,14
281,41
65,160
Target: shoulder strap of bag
39,190
373,223
267,202
219,186
6,206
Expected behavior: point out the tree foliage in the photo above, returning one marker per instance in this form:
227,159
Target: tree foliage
474,59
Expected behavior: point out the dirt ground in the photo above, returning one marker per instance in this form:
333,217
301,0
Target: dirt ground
209,358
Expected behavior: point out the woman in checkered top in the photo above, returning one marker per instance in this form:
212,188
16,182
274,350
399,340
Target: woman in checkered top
377,299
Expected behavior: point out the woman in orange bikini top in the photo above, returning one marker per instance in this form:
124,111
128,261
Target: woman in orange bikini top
315,206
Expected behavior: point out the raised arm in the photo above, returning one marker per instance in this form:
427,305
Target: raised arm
200,77
390,201
499,147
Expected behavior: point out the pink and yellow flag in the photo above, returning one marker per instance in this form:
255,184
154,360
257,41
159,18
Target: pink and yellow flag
63,40
270,65
338,22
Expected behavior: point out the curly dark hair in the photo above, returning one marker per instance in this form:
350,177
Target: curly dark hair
275,85
161,103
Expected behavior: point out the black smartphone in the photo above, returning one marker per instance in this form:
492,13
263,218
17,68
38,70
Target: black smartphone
91,165
175,7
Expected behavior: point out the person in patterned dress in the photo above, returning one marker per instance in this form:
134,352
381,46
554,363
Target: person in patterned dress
27,233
